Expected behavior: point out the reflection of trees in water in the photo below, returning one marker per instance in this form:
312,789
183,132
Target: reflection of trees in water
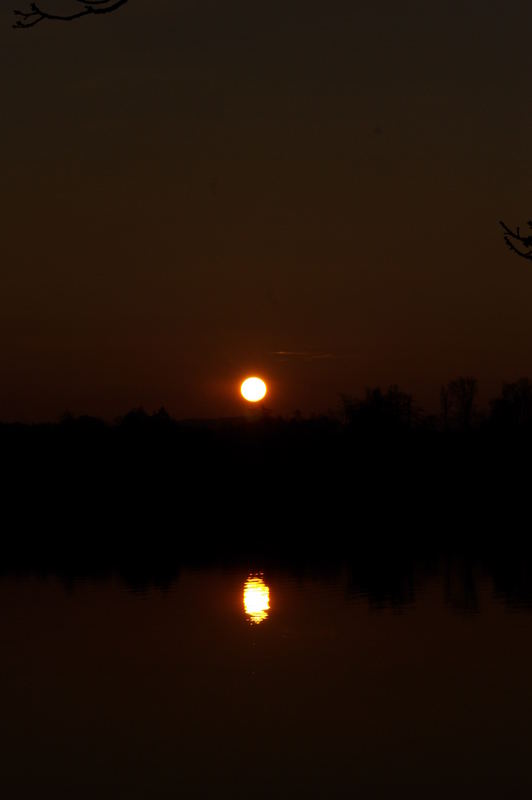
512,580
460,585
385,580
138,576
390,582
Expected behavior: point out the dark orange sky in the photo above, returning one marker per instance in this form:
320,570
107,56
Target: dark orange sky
189,188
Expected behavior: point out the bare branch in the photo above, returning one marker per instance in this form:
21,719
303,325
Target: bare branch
27,19
515,241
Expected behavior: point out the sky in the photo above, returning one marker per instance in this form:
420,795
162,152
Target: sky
196,191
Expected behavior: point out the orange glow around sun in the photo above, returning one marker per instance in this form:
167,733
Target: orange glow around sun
253,390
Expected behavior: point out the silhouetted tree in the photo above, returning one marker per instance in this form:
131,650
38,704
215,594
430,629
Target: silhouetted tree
80,8
136,419
458,403
382,412
445,405
513,409
517,242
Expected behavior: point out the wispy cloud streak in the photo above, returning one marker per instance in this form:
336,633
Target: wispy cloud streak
309,355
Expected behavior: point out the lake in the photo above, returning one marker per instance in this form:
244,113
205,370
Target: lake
362,679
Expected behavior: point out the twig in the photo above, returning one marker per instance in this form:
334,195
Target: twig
511,237
28,19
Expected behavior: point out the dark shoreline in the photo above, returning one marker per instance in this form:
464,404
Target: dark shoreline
149,489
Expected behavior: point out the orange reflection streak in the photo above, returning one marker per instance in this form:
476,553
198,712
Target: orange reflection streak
256,599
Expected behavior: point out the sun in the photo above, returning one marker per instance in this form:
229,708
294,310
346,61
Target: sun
253,390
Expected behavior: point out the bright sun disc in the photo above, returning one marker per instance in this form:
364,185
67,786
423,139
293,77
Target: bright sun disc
253,390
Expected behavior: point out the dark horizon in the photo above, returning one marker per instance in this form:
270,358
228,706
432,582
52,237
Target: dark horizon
518,392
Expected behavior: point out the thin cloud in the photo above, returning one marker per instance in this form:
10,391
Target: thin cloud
308,355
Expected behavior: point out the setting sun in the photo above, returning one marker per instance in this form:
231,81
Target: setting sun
253,390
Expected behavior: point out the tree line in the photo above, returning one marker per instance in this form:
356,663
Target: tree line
376,410
460,411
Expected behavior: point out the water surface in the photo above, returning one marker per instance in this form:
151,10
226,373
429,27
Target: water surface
258,681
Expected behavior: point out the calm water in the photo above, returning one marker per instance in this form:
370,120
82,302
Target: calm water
232,683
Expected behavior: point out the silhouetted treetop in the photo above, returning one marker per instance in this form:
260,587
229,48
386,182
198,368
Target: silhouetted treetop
80,8
458,403
512,410
517,242
386,411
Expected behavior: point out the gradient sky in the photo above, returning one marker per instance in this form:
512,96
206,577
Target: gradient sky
191,188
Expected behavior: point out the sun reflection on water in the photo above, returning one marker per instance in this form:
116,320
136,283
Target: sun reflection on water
256,599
